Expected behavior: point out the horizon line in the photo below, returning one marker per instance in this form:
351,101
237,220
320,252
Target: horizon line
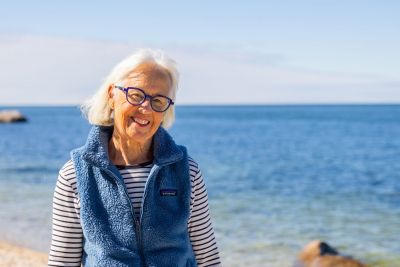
226,104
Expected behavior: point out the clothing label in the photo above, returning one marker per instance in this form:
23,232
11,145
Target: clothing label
168,192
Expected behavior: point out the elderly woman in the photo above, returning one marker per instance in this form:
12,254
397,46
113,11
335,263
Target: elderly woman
131,196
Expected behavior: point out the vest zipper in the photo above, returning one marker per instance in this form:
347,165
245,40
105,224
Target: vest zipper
151,175
133,213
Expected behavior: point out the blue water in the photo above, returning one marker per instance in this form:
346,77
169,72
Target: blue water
277,176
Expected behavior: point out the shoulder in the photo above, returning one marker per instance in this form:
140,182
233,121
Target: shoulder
67,172
66,181
195,172
196,179
193,165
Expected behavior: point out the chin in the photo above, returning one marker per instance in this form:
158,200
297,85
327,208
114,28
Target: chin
141,135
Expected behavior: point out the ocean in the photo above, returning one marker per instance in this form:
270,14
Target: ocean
277,177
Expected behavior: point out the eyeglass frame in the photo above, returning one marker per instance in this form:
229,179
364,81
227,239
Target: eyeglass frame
146,96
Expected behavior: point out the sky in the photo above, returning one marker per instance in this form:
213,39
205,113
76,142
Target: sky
228,52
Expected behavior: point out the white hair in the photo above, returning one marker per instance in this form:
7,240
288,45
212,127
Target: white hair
98,110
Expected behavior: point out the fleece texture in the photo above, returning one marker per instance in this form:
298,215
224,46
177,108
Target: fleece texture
112,235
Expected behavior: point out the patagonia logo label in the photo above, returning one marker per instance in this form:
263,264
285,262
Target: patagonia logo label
168,192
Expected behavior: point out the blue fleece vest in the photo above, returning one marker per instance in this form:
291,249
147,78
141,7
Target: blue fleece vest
112,235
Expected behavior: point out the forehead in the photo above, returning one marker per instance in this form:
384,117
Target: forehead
149,73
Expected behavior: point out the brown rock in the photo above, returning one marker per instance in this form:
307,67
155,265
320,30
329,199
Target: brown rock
11,116
319,254
335,261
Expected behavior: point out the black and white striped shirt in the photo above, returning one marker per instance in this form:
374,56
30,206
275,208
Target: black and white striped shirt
66,243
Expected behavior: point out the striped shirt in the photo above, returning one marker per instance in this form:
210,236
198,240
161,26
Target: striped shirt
66,243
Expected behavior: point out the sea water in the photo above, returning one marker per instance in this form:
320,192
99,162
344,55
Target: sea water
277,177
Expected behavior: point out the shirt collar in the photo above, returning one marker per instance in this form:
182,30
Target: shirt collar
95,151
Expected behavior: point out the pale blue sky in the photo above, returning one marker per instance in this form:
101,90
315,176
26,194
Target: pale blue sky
286,51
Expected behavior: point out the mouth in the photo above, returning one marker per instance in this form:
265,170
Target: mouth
140,122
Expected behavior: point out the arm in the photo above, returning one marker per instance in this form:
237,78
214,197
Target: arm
66,241
200,226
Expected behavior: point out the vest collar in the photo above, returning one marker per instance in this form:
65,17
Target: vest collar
95,151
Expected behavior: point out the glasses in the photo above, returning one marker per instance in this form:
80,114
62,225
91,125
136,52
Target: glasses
137,96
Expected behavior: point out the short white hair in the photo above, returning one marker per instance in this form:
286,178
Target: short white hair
98,110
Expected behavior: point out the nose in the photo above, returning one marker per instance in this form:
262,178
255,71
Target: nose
145,107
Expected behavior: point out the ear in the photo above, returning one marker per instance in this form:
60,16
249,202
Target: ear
111,91
111,95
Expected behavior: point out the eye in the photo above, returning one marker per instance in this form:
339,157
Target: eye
135,96
160,102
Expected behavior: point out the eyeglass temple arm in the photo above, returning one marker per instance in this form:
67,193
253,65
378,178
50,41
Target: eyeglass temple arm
121,88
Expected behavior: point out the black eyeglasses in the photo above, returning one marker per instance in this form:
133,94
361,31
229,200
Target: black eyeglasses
137,96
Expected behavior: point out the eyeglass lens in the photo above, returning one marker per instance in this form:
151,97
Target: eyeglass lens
158,103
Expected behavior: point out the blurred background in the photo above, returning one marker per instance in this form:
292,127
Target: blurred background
291,108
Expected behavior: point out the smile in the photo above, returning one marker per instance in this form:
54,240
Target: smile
141,122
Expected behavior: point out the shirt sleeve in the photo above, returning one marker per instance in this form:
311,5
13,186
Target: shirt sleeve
200,227
66,240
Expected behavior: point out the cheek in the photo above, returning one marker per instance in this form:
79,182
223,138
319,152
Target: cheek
122,113
158,118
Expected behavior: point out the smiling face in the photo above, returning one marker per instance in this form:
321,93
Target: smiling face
139,123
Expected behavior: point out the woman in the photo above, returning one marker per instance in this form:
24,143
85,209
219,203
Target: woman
131,196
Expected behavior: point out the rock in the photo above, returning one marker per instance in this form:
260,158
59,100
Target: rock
11,116
336,261
319,254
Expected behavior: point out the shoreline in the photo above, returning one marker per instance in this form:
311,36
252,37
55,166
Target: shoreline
16,256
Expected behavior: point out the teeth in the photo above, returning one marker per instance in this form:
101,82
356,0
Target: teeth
141,121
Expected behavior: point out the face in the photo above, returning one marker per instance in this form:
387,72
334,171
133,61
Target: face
139,123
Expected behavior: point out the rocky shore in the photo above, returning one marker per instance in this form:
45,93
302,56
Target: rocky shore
15,256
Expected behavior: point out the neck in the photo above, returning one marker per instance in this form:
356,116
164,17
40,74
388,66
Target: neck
128,152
